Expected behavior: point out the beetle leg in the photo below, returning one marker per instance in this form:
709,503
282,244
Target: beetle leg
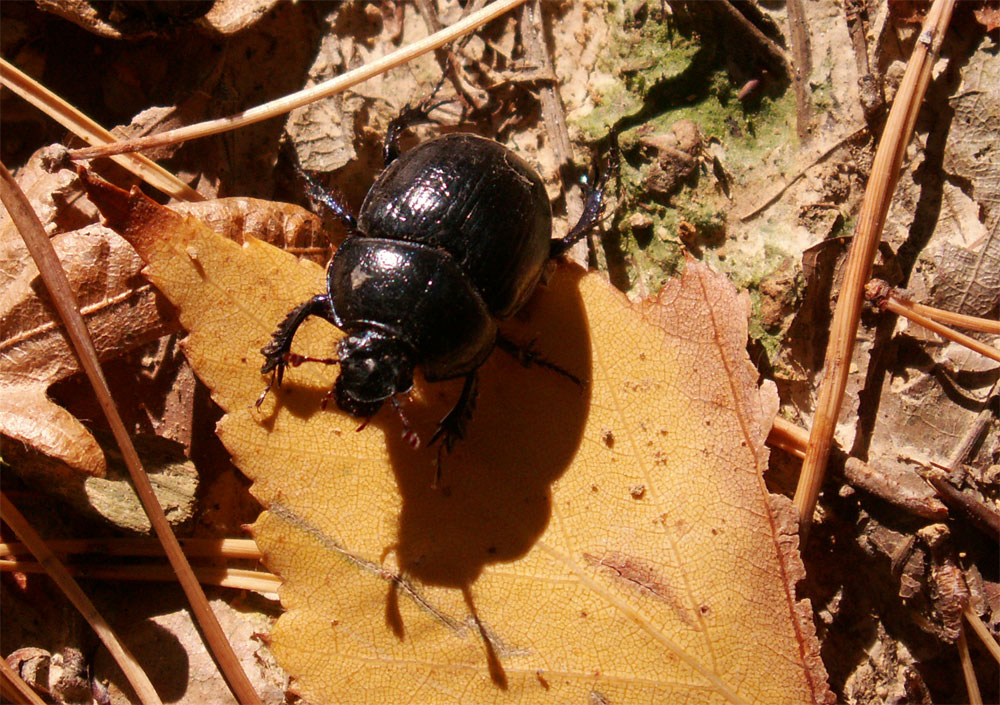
332,201
452,426
528,356
408,117
277,353
409,435
593,206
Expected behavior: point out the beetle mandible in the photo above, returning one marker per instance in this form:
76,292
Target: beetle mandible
451,238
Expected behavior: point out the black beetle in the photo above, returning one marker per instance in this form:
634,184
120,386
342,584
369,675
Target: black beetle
452,237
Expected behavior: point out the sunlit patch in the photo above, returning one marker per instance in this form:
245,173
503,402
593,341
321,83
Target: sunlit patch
388,259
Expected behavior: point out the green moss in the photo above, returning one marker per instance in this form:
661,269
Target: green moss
659,75
820,94
638,58
846,227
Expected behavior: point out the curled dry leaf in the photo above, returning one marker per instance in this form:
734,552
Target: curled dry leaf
120,308
289,227
55,194
122,311
536,573
988,15
126,20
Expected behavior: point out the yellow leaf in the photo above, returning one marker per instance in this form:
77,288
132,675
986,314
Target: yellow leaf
614,542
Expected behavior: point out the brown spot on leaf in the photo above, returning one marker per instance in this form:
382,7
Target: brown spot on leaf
642,576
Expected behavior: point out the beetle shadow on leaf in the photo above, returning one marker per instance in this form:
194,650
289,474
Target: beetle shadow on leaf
495,494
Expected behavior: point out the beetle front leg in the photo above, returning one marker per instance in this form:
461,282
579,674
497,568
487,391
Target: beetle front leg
278,352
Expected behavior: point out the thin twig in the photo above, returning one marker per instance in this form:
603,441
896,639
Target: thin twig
960,320
64,299
843,333
900,487
946,332
775,52
19,691
51,565
981,515
974,433
536,53
89,131
889,486
982,632
236,578
798,31
308,95
532,28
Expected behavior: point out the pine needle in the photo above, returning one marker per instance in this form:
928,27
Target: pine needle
864,245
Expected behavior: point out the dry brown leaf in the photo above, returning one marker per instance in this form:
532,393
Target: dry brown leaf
170,649
232,16
969,254
283,225
128,21
120,308
616,544
121,311
55,194
141,20
988,15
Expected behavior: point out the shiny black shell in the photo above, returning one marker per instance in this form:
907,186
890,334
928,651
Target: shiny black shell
474,199
453,235
418,294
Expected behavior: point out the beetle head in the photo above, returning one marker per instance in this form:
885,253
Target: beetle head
374,366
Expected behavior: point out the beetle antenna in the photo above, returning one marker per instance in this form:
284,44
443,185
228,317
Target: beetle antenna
408,117
409,435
